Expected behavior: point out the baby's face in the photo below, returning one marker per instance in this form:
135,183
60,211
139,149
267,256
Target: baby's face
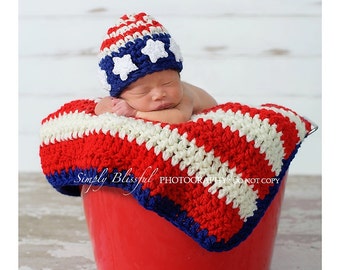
157,91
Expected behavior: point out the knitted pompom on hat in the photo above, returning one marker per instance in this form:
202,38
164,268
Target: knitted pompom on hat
135,46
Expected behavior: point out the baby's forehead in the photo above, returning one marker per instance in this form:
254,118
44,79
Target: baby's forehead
158,77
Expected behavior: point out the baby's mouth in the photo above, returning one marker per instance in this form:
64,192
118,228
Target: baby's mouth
163,106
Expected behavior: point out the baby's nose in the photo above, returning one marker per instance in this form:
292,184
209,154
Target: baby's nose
158,94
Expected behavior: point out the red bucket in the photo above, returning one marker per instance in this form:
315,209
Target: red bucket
126,236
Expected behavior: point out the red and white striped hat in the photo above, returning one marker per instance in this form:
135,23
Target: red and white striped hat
135,46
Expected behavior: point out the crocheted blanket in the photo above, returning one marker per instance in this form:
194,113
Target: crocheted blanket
213,177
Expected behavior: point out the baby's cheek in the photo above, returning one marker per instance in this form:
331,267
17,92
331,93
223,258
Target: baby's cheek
143,104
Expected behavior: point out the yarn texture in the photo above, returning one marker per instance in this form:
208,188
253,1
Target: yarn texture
136,45
212,177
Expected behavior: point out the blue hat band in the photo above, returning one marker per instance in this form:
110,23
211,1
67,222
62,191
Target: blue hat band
138,58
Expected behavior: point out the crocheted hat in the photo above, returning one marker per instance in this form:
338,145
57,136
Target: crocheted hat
135,46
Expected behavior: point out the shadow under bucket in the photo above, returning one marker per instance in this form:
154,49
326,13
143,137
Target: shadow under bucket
126,236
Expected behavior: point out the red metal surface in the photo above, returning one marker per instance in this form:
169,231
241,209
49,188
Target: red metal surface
126,236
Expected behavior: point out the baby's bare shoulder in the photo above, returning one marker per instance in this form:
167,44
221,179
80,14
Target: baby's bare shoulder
201,99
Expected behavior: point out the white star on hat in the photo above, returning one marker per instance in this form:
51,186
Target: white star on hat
103,79
155,50
123,66
175,49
